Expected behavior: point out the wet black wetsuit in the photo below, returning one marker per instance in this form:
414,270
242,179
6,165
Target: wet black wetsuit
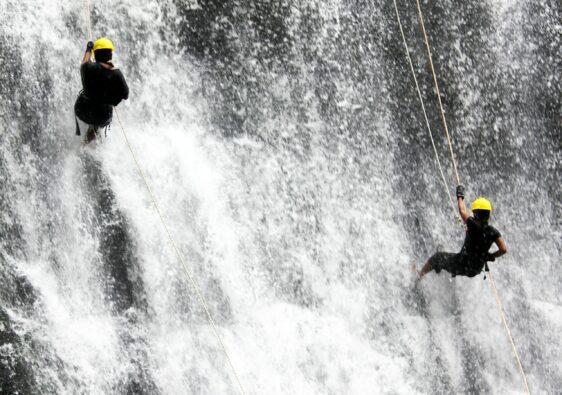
470,261
102,89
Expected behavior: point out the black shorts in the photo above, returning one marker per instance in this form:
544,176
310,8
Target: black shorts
92,113
456,264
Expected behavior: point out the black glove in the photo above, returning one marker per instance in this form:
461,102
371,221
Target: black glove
490,257
460,192
89,46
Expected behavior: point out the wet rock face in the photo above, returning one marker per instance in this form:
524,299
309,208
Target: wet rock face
17,294
15,374
116,246
247,48
284,64
319,91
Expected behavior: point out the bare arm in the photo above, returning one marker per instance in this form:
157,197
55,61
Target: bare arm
502,248
462,209
87,57
460,203
88,54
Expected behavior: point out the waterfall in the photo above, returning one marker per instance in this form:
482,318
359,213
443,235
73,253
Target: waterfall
286,148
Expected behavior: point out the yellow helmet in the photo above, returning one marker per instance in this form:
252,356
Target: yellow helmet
103,43
481,204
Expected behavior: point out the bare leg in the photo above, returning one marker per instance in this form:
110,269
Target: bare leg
90,134
424,270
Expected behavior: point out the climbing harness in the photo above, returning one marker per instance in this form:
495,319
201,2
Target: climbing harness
486,269
171,239
455,168
77,126
95,119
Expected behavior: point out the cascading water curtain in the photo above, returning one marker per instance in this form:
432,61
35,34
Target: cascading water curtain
286,149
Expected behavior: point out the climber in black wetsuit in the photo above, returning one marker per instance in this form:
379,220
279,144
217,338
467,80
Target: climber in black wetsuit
103,87
480,236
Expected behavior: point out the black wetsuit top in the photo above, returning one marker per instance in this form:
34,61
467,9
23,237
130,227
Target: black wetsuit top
103,86
479,238
103,89
471,259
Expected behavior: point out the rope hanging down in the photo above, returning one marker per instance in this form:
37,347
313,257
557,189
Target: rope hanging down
88,20
502,313
438,93
443,118
492,282
187,272
443,179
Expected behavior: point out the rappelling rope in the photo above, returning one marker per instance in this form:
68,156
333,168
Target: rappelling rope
188,273
424,112
443,118
180,257
88,20
493,285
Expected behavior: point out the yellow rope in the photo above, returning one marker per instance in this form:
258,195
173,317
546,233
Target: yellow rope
492,282
187,272
88,20
500,306
424,112
180,256
438,93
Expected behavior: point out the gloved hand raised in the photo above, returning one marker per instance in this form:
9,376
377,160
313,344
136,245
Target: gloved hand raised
89,46
460,191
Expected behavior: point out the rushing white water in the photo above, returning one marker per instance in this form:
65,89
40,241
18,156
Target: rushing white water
285,146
